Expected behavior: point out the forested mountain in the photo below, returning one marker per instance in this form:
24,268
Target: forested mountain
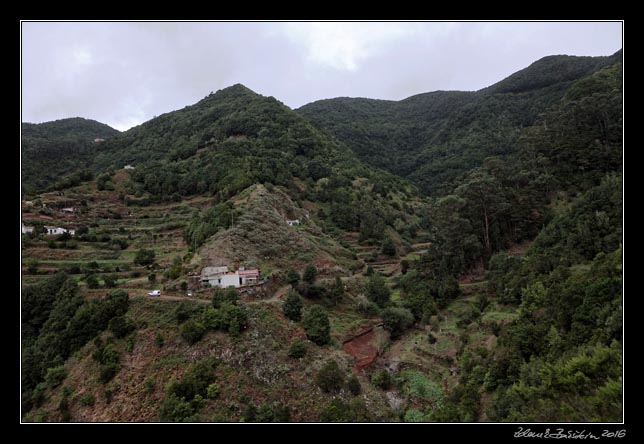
53,150
433,139
509,270
560,359
236,138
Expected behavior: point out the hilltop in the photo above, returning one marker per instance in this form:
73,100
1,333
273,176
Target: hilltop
52,150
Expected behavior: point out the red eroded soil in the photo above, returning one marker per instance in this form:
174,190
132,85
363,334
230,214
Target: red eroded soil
363,349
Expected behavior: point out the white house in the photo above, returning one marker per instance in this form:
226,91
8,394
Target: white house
225,280
290,223
27,229
52,231
67,210
128,167
222,278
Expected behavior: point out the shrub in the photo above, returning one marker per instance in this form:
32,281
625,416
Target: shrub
227,317
340,411
108,371
38,395
337,291
91,281
55,375
382,379
316,324
312,291
397,320
298,349
175,409
186,310
87,400
388,248
330,378
292,277
275,412
377,291
32,266
310,273
212,391
158,340
149,385
109,281
336,411
292,306
230,295
192,331
121,326
366,307
196,381
354,385
144,257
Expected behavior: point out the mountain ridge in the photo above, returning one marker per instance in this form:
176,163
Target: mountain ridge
424,136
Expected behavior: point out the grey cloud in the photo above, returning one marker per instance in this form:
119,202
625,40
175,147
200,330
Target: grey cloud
138,70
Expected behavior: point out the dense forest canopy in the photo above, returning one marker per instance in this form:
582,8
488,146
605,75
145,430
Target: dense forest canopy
560,360
433,139
51,151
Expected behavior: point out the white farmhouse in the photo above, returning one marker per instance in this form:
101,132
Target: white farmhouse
222,278
27,229
290,223
52,231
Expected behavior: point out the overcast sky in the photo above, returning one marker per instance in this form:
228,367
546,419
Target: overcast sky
123,74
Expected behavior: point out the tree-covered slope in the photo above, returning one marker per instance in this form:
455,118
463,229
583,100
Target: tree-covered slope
53,150
560,358
234,139
434,138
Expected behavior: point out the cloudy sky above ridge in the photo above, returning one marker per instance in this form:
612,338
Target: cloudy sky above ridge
125,73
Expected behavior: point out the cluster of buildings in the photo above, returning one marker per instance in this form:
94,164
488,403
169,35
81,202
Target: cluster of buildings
65,211
222,278
50,230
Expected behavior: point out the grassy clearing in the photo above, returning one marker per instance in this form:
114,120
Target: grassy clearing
413,256
417,385
345,322
499,316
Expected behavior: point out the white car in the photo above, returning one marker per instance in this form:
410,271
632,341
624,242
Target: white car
155,293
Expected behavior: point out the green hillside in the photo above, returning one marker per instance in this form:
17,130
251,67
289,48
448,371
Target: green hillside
51,151
433,139
492,292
